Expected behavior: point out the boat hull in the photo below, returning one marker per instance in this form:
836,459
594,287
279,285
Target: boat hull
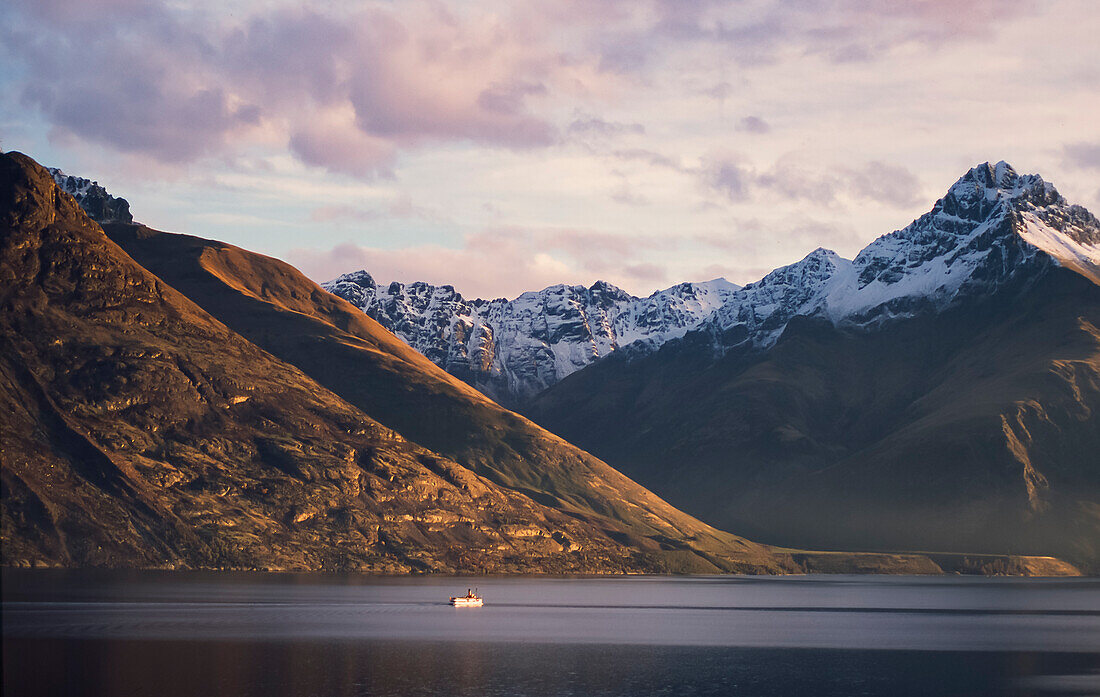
467,602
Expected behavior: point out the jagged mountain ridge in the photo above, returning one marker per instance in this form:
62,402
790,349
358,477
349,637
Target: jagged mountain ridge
513,349
991,227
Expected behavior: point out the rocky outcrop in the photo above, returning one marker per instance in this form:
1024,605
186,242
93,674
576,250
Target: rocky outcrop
93,198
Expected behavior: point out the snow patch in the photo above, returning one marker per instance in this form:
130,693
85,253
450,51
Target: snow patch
1058,245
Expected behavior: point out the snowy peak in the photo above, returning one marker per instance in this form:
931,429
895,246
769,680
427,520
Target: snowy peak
986,189
979,224
607,294
672,312
992,227
999,181
1045,220
361,278
513,349
817,266
1004,175
988,179
93,198
702,292
759,312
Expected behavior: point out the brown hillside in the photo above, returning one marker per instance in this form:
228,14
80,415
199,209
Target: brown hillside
140,431
273,305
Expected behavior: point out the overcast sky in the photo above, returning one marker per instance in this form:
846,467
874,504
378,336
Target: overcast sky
506,146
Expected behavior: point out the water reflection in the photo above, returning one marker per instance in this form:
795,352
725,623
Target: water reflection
297,669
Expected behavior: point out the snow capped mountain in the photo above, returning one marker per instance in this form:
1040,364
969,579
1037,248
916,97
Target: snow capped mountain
93,198
943,390
513,349
992,226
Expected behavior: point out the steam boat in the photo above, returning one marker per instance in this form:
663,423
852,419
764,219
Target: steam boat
471,599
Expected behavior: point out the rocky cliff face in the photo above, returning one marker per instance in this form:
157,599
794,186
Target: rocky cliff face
93,198
513,349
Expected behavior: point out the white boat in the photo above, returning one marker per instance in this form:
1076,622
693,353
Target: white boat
471,599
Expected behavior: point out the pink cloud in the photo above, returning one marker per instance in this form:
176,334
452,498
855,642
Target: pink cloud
151,78
343,92
729,176
1082,155
647,272
88,11
341,147
753,124
141,88
843,30
342,213
943,18
402,207
446,80
890,184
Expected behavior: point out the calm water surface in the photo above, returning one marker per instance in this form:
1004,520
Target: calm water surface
183,633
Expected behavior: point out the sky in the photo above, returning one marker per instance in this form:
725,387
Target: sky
506,146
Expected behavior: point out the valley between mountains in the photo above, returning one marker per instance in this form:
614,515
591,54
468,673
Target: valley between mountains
176,402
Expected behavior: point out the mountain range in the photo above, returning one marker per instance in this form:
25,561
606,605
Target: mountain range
513,349
936,391
180,402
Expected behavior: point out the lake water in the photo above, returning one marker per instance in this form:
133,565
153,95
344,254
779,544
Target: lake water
182,633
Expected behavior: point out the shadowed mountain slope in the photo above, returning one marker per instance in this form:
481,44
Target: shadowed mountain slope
940,392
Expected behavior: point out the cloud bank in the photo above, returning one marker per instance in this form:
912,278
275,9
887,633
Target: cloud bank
501,145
